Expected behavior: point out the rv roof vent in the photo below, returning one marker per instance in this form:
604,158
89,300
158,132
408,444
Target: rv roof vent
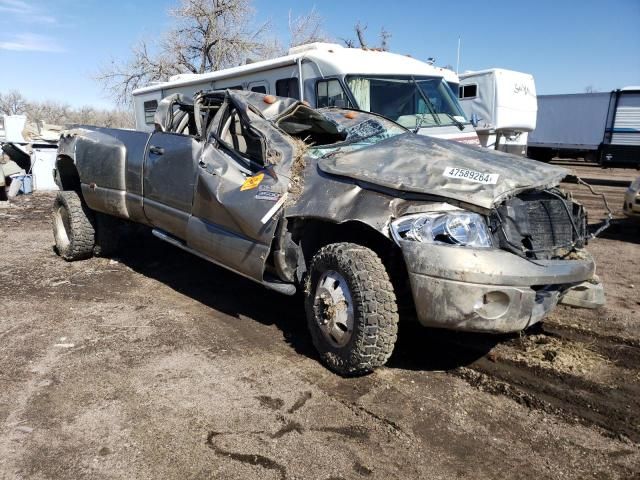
313,46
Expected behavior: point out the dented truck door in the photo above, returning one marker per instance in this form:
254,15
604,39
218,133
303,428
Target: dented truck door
169,178
235,202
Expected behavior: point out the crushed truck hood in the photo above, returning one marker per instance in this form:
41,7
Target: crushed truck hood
432,166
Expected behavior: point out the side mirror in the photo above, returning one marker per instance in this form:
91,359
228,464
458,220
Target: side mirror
474,120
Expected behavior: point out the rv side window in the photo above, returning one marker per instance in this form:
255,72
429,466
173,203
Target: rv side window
468,91
259,89
288,87
329,93
150,108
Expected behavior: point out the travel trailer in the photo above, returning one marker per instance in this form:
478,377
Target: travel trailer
599,127
412,93
502,106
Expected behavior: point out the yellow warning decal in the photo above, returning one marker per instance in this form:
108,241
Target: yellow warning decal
252,182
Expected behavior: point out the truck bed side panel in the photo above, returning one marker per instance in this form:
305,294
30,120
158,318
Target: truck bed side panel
109,162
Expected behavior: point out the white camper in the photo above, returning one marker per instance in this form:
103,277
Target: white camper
413,93
502,105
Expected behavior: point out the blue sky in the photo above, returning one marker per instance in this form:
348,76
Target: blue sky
50,49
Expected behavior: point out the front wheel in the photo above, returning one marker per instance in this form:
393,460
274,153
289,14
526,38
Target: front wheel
351,308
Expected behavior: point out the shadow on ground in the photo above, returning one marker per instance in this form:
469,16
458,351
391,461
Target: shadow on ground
623,230
418,348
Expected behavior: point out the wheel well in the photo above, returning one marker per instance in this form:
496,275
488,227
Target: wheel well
67,176
313,234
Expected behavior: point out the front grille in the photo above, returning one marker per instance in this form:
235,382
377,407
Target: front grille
539,225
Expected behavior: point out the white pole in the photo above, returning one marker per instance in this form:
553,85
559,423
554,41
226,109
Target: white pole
458,60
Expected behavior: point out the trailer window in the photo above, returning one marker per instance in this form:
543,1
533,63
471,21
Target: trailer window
468,91
259,89
329,93
288,87
150,108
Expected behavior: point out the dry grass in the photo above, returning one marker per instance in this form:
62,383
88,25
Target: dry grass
296,182
561,355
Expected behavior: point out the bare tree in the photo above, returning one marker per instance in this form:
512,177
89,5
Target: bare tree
48,112
12,103
119,79
306,29
385,36
57,113
360,30
590,89
348,42
209,35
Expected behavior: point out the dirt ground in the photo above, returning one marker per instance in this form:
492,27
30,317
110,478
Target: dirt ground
159,365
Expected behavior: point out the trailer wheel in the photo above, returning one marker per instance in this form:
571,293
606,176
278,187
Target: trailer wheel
73,230
351,308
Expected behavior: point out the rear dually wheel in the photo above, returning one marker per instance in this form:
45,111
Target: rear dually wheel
73,229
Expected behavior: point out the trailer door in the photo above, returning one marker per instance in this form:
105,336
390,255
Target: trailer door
626,125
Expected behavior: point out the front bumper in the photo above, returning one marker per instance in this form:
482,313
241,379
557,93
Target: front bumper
490,290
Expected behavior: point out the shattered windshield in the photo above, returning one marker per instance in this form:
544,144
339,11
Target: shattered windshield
412,101
360,130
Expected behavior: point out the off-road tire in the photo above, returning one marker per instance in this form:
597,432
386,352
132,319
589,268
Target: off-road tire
375,325
73,229
109,231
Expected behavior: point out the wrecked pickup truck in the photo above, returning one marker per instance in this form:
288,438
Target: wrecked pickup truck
366,217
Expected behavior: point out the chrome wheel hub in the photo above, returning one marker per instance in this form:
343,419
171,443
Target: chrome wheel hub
334,308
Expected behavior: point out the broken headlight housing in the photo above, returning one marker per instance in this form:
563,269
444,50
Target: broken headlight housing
443,228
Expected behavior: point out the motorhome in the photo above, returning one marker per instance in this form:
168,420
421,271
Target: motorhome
410,92
502,105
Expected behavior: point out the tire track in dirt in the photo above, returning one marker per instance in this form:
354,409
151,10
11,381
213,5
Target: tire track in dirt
612,407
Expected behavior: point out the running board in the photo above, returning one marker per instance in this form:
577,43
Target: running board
280,287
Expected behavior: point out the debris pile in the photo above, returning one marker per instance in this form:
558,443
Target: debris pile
28,155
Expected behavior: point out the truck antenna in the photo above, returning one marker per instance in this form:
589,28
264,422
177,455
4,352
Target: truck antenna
458,58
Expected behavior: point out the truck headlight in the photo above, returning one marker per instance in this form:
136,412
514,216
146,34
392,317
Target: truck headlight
444,228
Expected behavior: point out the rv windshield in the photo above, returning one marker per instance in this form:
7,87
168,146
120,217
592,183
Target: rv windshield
412,101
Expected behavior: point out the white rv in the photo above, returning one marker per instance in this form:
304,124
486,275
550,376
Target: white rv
502,105
413,93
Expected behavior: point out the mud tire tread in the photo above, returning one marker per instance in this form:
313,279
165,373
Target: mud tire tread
375,309
81,232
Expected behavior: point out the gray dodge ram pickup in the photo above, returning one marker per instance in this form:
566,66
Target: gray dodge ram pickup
366,217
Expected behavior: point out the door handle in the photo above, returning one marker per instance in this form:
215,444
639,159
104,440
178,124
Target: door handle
156,150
